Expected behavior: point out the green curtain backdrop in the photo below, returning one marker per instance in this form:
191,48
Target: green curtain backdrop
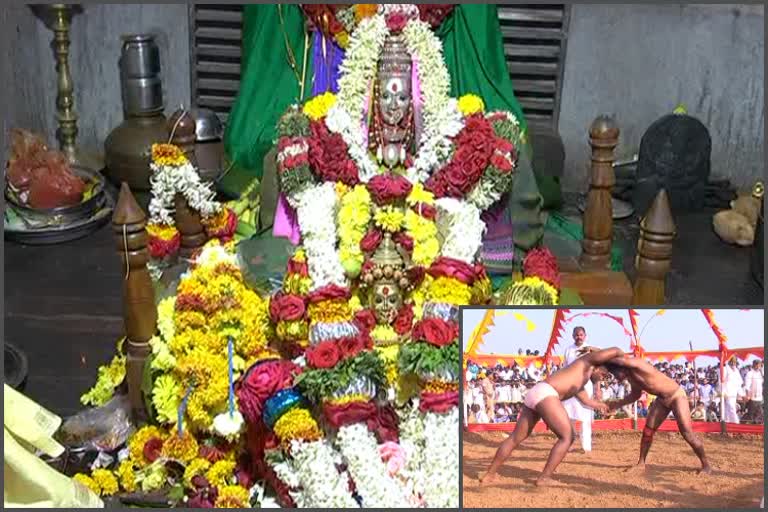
474,55
268,85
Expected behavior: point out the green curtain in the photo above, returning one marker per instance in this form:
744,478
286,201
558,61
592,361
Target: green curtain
472,45
269,84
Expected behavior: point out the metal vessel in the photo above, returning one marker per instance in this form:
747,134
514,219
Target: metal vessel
128,147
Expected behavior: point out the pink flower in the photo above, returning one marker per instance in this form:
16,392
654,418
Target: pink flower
394,455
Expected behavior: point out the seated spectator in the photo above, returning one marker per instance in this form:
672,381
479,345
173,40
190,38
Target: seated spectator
699,413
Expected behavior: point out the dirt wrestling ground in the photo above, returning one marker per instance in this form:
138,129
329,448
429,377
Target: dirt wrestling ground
599,481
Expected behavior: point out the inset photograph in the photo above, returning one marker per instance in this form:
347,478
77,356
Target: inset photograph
619,408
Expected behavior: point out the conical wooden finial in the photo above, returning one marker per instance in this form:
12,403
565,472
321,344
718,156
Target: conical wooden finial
598,215
127,210
654,252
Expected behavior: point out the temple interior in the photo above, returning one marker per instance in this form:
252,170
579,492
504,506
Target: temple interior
316,189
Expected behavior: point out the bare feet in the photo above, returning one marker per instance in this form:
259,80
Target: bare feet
706,470
487,478
637,468
544,481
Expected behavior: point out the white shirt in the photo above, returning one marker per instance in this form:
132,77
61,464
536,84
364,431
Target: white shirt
732,382
754,385
571,354
516,394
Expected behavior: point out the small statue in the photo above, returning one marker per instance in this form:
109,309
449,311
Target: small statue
392,135
387,281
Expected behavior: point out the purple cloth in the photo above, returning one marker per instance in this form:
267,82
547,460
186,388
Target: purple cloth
326,69
286,224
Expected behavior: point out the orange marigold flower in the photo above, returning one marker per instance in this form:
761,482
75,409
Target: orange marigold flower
168,154
363,11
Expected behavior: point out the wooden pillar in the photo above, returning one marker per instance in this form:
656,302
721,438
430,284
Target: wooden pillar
139,308
598,215
654,253
182,127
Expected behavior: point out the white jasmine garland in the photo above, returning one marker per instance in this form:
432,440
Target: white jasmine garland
323,486
441,464
442,119
287,473
412,440
461,228
359,448
229,426
314,207
167,181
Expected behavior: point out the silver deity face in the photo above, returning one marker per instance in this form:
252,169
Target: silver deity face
394,98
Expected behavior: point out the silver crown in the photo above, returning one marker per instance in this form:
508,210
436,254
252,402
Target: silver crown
394,56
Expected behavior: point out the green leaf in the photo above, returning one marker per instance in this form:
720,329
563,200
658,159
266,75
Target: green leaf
176,493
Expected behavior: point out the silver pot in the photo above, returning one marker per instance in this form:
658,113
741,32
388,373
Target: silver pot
208,126
142,86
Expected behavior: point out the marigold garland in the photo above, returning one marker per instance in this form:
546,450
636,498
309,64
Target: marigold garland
195,468
106,481
221,473
183,447
450,291
88,482
232,496
297,425
318,107
389,218
139,439
471,104
126,475
168,154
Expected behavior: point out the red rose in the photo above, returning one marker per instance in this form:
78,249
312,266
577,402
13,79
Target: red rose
477,123
371,241
500,162
396,22
329,292
350,347
504,146
261,382
416,275
456,181
366,340
328,155
368,266
542,263
365,320
457,269
323,355
438,402
152,449
435,331
287,308
404,320
436,185
385,424
386,189
425,210
405,241
480,161
463,153
480,272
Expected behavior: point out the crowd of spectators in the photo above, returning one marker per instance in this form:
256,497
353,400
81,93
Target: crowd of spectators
494,394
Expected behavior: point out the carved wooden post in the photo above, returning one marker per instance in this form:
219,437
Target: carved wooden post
139,308
654,253
188,222
598,216
181,126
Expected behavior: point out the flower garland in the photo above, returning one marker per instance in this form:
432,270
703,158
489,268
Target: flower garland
462,229
109,378
441,459
412,441
376,487
314,207
322,484
173,174
353,218
420,226
212,306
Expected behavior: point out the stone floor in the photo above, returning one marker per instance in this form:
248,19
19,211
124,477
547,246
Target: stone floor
63,303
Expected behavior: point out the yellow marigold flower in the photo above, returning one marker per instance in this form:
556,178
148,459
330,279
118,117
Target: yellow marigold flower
168,154
166,398
139,439
106,481
165,310
349,399
221,473
180,447
450,291
389,219
162,232
290,331
363,11
127,476
330,311
232,496
471,104
300,255
196,467
425,252
384,335
355,304
389,355
420,195
531,291
341,189
88,482
343,39
297,424
317,108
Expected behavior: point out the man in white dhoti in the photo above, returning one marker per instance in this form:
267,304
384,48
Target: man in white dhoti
732,388
575,409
